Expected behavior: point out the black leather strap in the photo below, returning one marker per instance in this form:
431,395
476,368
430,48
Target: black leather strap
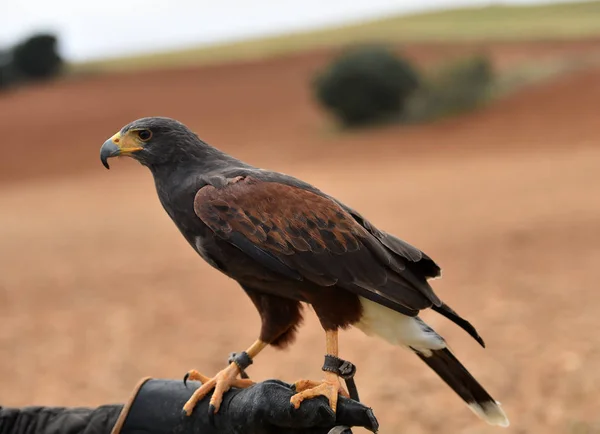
344,369
242,360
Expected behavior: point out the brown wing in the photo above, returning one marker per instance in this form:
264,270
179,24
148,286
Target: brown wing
305,236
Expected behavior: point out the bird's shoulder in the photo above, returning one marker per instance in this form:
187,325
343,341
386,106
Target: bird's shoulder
253,187
258,203
252,176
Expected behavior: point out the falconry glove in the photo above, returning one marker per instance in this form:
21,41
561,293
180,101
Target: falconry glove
264,408
155,408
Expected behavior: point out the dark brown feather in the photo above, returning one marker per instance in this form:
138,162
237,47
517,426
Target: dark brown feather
306,236
280,317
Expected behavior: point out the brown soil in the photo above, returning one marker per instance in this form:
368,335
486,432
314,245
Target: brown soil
97,287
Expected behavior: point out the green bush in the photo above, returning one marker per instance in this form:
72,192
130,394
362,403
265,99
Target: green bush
37,57
7,73
366,85
458,87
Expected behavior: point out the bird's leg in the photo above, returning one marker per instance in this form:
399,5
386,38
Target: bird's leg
221,382
330,387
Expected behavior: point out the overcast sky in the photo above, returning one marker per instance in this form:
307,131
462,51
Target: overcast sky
95,29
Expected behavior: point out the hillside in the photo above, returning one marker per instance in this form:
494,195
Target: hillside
554,21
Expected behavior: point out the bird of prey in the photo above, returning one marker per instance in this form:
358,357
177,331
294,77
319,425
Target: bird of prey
287,243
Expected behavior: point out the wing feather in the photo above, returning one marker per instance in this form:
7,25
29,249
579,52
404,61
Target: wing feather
307,236
418,260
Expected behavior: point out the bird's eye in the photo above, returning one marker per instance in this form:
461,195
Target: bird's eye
144,135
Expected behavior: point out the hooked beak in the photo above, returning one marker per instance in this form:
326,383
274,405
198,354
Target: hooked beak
109,149
117,145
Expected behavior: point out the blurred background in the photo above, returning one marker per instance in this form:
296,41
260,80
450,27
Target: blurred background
468,128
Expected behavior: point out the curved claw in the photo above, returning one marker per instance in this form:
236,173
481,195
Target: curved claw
309,389
302,385
211,414
194,375
222,382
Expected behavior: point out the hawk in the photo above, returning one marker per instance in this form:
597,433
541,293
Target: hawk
288,244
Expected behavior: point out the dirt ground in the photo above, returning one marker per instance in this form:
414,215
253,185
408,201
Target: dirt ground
97,287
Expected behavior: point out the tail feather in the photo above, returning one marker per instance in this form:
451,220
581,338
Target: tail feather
443,362
412,333
449,313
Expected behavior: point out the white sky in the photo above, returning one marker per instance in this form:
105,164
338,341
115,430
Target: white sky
93,29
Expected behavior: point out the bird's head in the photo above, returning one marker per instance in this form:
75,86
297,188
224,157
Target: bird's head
151,141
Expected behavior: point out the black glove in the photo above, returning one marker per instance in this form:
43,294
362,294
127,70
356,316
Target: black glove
264,408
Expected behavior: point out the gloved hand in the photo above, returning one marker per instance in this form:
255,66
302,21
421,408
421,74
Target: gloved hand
264,408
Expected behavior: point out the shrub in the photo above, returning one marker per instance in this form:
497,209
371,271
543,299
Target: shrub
7,72
37,57
458,87
366,85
